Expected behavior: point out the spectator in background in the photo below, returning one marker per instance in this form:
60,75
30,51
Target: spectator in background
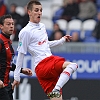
71,10
57,33
57,14
17,17
96,31
25,18
75,37
3,8
87,10
78,1
17,20
81,1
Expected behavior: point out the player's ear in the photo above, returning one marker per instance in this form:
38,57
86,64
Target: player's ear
1,26
29,12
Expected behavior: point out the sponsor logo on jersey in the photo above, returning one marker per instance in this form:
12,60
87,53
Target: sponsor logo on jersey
20,43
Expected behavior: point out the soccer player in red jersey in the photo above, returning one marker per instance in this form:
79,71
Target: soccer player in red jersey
6,57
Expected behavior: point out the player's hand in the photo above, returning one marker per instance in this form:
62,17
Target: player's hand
1,84
15,83
27,71
68,37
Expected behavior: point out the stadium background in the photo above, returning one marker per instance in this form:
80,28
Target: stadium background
83,85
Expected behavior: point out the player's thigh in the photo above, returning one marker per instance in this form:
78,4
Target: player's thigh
56,98
65,64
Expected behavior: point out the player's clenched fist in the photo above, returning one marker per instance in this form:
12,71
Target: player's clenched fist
68,37
1,84
27,71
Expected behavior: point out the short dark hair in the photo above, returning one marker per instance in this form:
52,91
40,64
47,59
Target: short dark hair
2,18
30,4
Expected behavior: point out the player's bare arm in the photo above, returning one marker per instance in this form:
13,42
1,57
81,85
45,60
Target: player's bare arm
1,84
27,71
15,83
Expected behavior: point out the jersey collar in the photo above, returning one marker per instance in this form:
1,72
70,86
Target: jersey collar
8,37
34,24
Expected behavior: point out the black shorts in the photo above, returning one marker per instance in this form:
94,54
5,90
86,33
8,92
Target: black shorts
6,93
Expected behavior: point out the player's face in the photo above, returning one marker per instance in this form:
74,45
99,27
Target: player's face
8,26
36,13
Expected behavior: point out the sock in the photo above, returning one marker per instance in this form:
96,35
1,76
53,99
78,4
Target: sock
65,75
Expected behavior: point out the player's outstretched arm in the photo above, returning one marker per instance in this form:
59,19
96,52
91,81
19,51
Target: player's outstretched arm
25,71
65,38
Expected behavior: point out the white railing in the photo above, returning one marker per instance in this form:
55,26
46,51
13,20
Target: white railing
74,47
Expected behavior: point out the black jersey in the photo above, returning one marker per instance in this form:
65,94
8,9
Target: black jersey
6,56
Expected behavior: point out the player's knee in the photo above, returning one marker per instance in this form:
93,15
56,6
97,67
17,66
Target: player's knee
73,66
1,84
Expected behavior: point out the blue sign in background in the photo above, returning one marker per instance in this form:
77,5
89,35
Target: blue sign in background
88,64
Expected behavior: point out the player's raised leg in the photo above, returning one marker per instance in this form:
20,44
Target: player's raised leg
69,68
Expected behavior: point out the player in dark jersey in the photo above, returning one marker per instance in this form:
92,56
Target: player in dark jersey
6,58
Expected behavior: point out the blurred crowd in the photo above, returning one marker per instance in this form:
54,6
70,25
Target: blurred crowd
71,9
20,19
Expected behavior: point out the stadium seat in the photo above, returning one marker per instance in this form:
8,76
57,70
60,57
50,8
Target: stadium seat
89,24
74,26
88,33
47,13
98,3
72,31
48,24
63,24
20,10
99,40
90,39
87,27
57,2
